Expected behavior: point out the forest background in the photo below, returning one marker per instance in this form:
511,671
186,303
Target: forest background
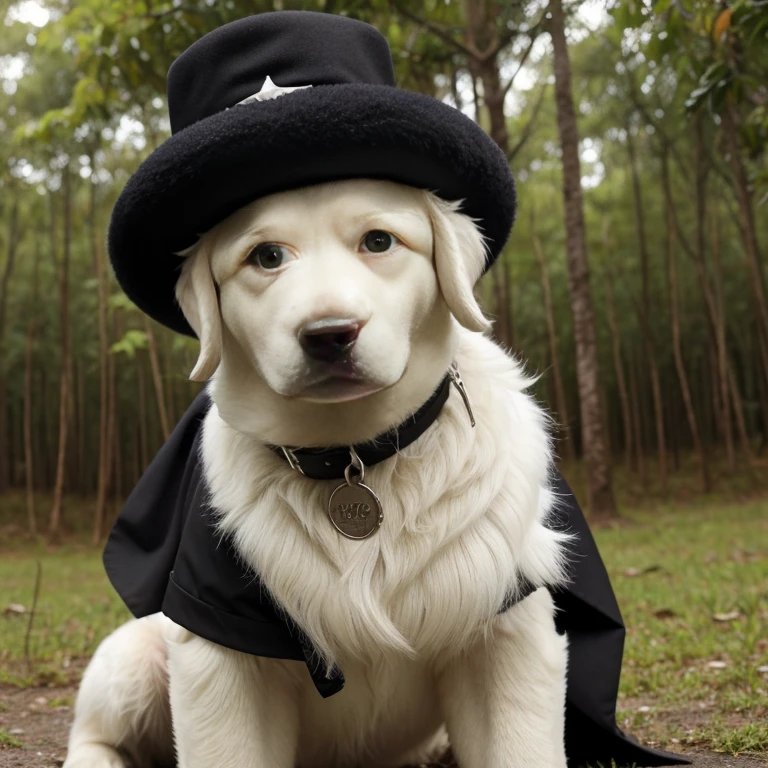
649,327
634,285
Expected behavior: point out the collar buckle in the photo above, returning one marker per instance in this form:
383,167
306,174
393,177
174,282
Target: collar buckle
458,382
291,458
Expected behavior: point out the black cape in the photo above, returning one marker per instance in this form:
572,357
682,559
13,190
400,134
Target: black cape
164,555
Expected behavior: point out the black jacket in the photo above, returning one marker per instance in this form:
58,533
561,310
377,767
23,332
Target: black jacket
164,555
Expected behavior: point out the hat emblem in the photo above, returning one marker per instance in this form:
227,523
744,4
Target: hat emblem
271,91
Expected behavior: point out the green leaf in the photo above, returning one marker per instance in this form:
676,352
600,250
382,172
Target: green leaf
133,341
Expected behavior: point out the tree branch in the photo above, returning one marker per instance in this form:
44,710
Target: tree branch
528,129
169,11
670,202
664,136
523,59
439,31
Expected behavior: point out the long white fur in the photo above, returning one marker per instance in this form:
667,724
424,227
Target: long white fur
409,614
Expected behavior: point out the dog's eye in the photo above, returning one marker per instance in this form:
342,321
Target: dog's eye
268,256
378,241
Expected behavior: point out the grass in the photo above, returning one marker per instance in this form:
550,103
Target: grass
63,701
749,738
8,741
696,562
696,658
76,609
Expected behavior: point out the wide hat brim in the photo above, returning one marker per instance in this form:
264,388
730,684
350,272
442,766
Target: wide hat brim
207,171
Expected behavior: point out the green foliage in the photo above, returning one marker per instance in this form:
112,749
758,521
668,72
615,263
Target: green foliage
131,342
62,701
8,741
752,737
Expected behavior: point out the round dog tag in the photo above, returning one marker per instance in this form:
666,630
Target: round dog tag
355,510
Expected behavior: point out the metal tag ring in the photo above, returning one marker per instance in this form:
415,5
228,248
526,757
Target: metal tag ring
356,463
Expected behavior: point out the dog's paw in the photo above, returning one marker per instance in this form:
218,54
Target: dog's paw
94,756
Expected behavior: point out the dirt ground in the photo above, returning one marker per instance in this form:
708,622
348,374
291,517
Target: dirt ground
28,716
41,728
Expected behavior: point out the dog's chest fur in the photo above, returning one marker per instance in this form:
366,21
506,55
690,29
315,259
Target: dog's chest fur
463,517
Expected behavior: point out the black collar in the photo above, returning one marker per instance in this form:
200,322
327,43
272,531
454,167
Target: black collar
330,463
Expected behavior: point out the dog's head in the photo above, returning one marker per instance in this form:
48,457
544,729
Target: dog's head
330,293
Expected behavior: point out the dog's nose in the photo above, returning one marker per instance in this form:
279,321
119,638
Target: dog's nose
329,340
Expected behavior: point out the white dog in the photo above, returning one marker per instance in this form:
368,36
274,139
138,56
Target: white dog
411,613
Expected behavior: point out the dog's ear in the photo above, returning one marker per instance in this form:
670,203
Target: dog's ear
459,260
197,297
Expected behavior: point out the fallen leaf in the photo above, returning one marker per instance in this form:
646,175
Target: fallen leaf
717,664
721,25
15,609
632,572
665,613
763,670
743,555
731,616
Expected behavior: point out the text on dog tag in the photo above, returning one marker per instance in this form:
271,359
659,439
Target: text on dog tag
355,510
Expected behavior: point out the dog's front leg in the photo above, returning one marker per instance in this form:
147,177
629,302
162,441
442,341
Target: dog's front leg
230,710
504,701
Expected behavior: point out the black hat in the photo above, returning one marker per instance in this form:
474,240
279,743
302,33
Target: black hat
232,142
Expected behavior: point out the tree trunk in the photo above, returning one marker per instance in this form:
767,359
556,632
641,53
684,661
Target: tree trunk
738,409
29,370
562,408
712,295
143,420
481,36
600,499
731,128
718,321
493,96
44,460
29,347
645,312
157,378
500,327
762,386
10,259
678,354
511,308
105,438
626,413
115,468
637,200
79,472
54,524
658,411
113,424
638,430
5,443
